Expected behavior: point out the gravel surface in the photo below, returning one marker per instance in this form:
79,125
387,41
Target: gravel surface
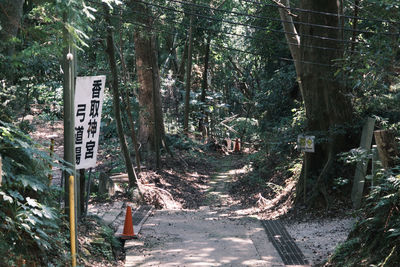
318,239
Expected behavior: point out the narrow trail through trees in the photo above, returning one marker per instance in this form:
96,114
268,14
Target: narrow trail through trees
213,235
217,193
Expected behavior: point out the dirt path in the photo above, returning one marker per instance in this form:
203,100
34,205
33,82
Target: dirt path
218,185
209,236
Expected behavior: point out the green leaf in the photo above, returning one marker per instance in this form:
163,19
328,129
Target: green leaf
26,227
37,212
31,202
16,195
6,197
394,232
47,212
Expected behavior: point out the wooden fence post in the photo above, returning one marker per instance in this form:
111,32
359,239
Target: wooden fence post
374,166
387,147
361,168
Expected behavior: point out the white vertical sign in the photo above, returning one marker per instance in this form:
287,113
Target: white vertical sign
89,92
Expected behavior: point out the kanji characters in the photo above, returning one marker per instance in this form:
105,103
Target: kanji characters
78,135
81,112
92,129
96,88
90,149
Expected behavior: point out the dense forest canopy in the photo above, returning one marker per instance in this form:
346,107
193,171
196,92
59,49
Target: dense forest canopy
261,72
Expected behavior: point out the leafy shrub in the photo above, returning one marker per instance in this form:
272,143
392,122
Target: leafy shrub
181,142
31,225
375,240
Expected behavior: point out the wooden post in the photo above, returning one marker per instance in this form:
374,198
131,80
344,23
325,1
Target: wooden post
361,168
374,167
385,140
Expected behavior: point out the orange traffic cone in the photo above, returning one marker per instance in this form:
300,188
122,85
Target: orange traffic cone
128,226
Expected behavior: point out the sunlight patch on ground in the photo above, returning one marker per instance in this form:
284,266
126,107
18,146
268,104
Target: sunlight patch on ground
245,169
237,240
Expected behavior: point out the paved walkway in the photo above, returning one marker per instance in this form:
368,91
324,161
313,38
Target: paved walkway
202,237
210,236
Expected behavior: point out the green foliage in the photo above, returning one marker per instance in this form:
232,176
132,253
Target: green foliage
100,244
374,240
370,71
31,224
115,244
371,75
181,142
102,240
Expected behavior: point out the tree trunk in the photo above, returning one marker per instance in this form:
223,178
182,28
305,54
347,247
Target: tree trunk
10,20
387,148
170,46
180,78
181,71
157,133
127,103
116,100
145,54
328,111
188,80
204,86
292,36
132,131
241,82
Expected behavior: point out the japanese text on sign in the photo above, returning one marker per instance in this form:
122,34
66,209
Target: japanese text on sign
88,107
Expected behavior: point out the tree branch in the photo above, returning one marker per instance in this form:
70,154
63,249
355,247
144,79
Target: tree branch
286,8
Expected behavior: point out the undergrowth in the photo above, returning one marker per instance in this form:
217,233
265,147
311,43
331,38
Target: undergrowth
32,229
375,239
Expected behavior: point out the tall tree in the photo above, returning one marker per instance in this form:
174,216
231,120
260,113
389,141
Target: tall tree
188,77
116,99
328,110
10,21
204,87
147,73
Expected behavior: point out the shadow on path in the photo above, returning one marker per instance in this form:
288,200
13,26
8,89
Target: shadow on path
208,236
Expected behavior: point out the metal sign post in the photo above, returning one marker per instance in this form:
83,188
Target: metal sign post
305,144
72,221
69,69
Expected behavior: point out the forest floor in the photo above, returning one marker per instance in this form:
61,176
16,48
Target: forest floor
206,188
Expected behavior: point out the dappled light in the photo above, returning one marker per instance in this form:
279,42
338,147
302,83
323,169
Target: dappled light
199,238
199,133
